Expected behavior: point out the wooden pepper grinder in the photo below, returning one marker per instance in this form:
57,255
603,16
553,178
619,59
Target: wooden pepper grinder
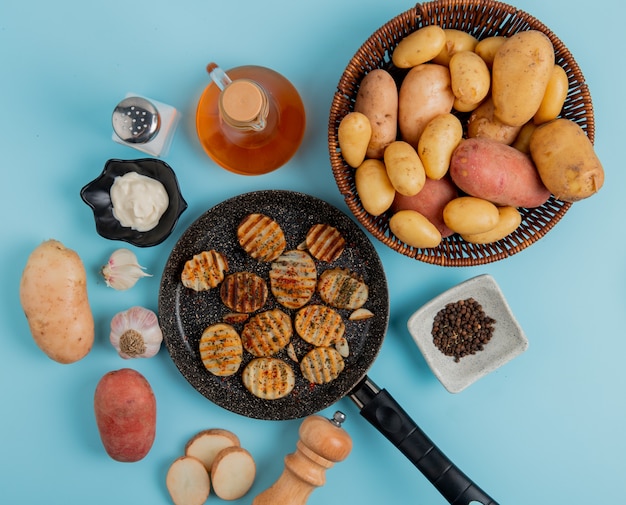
322,443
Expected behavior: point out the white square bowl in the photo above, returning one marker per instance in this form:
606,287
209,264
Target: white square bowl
508,339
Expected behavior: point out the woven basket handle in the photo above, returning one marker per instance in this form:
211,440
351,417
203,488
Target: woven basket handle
386,415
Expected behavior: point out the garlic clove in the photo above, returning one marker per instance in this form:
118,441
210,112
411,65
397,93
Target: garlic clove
135,333
122,271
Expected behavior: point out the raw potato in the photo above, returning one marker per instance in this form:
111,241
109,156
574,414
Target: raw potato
496,172
125,410
233,473
521,70
188,482
425,93
207,444
554,97
374,187
377,98
430,202
53,295
488,47
508,221
456,40
404,168
419,47
470,78
483,123
522,141
354,134
438,141
566,160
414,229
468,215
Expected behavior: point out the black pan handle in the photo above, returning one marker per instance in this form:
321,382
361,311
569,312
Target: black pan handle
388,417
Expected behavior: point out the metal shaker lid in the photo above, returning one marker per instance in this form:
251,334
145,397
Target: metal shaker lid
136,120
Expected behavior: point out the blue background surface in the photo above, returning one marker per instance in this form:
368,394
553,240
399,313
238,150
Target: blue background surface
548,427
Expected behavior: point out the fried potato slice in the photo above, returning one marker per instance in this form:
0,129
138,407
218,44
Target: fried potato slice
268,378
221,350
342,289
267,332
322,365
325,242
244,292
204,271
261,237
293,277
319,325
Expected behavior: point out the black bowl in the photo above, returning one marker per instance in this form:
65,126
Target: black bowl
97,195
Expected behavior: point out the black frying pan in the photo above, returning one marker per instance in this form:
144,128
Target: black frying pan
184,314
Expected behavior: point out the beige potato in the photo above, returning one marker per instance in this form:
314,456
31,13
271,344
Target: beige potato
460,106
425,93
374,187
470,77
404,168
522,141
488,47
414,229
482,123
456,40
554,97
438,141
520,74
508,221
53,295
566,160
419,47
468,215
377,98
354,135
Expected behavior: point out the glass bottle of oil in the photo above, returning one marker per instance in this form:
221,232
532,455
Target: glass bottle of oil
250,120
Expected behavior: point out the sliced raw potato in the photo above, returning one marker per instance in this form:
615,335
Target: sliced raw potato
207,444
188,481
233,473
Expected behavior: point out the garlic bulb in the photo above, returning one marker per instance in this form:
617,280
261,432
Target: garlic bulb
122,270
135,333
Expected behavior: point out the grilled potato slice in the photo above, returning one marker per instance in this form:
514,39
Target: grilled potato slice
221,350
268,378
322,365
261,237
325,242
204,271
244,292
293,278
342,289
319,325
267,332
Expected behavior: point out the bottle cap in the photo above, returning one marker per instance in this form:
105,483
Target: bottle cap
242,101
136,120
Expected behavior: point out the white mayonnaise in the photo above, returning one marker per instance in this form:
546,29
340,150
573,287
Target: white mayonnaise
138,201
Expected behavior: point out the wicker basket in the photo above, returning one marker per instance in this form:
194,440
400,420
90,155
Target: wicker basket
481,18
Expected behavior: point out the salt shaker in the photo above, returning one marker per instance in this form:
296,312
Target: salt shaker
144,124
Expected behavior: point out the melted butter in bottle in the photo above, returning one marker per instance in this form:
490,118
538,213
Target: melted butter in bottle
250,121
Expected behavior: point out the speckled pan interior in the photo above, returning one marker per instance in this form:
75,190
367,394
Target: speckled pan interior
184,313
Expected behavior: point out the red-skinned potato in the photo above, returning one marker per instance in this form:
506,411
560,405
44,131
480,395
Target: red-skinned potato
430,202
125,410
496,172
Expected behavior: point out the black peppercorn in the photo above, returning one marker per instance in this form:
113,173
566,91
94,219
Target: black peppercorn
462,328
